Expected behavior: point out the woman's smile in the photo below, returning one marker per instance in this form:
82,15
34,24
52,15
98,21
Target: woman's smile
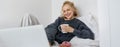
67,15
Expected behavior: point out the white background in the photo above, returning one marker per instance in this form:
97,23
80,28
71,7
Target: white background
114,13
109,11
12,11
104,23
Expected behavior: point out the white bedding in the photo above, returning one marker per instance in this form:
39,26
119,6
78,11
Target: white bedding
78,42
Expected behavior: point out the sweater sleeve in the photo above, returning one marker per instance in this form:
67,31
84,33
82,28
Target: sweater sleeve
51,31
83,32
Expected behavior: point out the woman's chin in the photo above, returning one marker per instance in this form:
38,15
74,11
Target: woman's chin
67,18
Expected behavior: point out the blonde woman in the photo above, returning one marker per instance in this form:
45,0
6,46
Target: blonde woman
67,26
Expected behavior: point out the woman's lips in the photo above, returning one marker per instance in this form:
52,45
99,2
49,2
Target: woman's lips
67,15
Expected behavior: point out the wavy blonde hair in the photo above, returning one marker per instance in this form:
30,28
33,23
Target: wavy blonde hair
72,5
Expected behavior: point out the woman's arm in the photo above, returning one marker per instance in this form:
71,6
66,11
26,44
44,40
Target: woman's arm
51,31
83,32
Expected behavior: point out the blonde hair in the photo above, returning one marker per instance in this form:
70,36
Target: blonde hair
72,5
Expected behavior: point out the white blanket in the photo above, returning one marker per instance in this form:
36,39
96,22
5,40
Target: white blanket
78,42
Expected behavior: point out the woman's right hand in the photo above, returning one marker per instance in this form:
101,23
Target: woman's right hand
66,28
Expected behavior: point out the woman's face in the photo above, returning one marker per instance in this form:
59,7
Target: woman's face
67,11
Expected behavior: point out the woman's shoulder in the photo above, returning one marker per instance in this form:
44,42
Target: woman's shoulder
78,21
59,18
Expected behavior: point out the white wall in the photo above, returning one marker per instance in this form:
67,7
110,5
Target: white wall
114,13
12,11
109,16
104,23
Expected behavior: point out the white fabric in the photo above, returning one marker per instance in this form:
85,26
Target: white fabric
28,20
78,42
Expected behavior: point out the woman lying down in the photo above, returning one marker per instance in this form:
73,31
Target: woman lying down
66,27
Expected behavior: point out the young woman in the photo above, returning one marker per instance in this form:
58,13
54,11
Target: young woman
67,26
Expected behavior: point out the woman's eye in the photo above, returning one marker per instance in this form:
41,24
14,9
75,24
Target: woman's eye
68,9
63,11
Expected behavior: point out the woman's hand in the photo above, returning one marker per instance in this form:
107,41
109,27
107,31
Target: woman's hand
67,28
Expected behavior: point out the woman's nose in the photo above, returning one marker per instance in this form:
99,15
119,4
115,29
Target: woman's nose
66,12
